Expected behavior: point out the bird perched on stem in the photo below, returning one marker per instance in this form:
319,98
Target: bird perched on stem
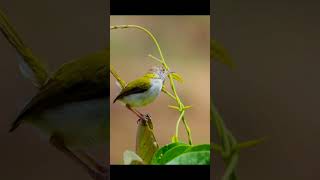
143,90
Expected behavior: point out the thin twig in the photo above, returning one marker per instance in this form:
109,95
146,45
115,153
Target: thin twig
168,93
157,59
115,75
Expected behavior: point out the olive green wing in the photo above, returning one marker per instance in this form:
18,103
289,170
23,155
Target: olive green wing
137,86
79,80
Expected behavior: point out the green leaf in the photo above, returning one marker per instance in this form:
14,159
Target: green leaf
130,157
183,154
177,77
191,158
194,155
146,144
172,153
163,150
201,147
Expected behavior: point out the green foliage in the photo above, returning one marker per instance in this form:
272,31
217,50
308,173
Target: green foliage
146,143
182,154
159,154
192,158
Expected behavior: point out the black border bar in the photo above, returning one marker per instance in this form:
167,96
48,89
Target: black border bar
168,172
160,7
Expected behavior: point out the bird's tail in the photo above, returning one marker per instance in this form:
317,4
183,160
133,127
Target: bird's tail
30,66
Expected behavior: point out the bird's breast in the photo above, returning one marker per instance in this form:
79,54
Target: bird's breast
81,124
144,98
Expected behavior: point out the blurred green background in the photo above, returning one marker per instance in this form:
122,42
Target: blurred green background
185,42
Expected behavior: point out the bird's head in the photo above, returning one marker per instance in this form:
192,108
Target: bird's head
158,72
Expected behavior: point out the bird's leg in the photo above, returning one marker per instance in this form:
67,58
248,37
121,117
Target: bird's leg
139,114
57,142
92,161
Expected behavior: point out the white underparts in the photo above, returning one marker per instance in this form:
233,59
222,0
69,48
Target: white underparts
81,124
142,99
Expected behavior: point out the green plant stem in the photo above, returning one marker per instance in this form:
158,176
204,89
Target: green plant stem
187,129
163,62
155,58
115,75
177,125
168,93
232,163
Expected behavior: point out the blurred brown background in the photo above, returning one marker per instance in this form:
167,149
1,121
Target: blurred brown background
274,90
185,42
57,31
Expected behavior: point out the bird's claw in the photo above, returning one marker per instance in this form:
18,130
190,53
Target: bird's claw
148,117
144,118
146,121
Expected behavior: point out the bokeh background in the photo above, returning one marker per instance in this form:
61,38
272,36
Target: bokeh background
57,31
274,90
185,42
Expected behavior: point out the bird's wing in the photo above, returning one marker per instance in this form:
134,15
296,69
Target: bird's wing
137,86
83,83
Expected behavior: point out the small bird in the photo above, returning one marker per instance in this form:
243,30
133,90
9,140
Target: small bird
71,109
143,90
71,106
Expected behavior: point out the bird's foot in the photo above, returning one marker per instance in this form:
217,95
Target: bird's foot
147,117
146,120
